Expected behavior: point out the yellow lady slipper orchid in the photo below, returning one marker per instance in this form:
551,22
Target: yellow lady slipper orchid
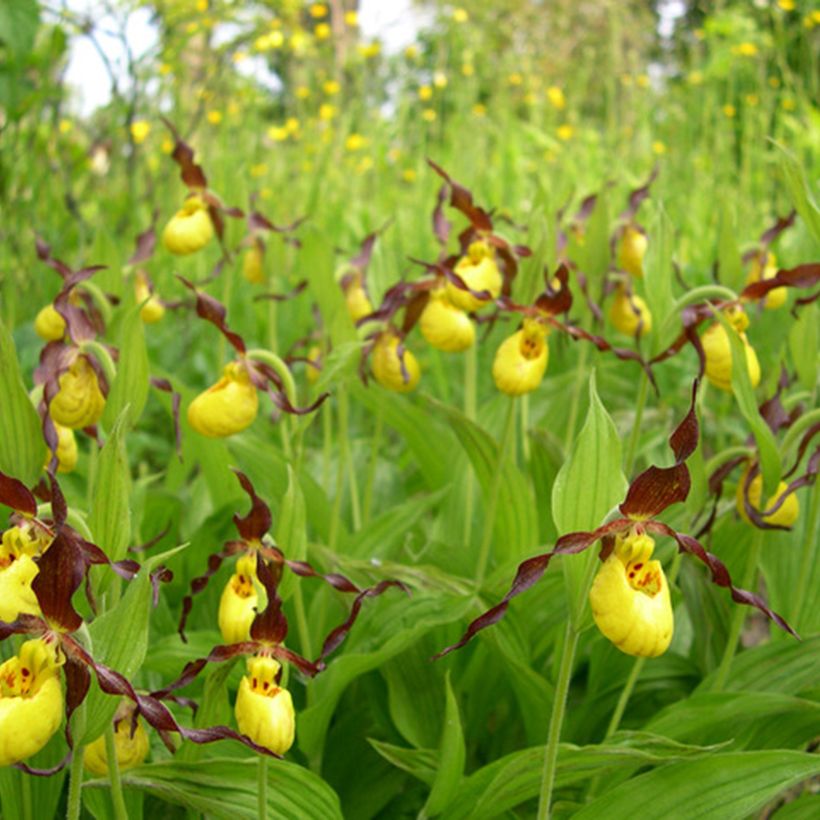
79,402
480,271
522,359
445,326
632,250
356,298
49,325
131,748
630,314
252,268
66,449
189,229
314,368
31,700
630,598
785,516
20,545
264,711
153,310
387,365
774,298
239,602
226,407
718,351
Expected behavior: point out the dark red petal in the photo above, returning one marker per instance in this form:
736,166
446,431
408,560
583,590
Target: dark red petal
720,575
803,276
197,585
654,490
213,311
62,570
15,494
258,520
78,679
554,301
192,174
684,438
145,245
462,200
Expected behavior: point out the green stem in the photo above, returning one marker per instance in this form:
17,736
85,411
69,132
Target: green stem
75,782
635,433
559,706
373,464
492,505
301,621
809,541
739,612
327,444
117,800
283,371
347,460
103,357
525,426
25,796
580,381
470,377
798,428
262,787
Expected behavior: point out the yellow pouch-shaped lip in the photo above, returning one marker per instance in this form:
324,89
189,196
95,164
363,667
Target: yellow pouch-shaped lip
264,711
79,402
480,272
785,516
227,407
190,229
445,326
387,366
521,360
630,313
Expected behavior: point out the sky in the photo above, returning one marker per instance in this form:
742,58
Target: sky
394,22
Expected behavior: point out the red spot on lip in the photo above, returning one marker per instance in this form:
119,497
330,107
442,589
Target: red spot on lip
25,673
638,566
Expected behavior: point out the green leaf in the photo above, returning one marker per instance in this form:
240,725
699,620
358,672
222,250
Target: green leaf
806,807
110,516
803,344
227,788
401,623
730,263
19,20
22,448
291,534
516,521
595,253
799,191
770,464
659,275
420,763
732,786
119,639
130,386
451,757
587,487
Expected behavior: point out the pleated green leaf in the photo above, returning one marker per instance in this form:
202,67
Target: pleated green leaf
130,387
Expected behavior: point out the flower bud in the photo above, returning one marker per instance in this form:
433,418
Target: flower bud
31,700
189,229
153,310
717,348
785,516
445,326
66,449
774,298
226,407
264,711
630,598
239,602
252,265
49,325
629,314
131,748
632,250
521,360
79,402
479,271
387,365
356,298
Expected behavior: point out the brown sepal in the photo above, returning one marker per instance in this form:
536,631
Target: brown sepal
213,311
15,494
258,520
192,174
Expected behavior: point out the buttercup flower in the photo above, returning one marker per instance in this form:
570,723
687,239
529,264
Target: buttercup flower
717,349
522,359
130,741
153,310
480,272
189,229
264,711
31,700
765,267
445,326
632,250
227,407
49,325
239,601
784,516
79,402
630,314
393,368
630,597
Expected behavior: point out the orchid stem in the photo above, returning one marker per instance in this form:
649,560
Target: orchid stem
635,433
344,447
495,487
739,612
470,373
283,371
75,783
371,467
559,705
262,787
580,381
117,800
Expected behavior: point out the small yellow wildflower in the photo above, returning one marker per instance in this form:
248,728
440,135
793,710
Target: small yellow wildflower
302,92
326,112
278,133
140,129
370,50
322,31
565,132
65,126
351,18
658,147
480,110
789,104
409,175
411,52
556,98
695,78
467,69
440,79
240,56
318,11
167,145
786,5
774,82
428,115
425,93
745,50
460,15
355,142
292,125
515,79
214,117
729,110
642,81
331,87
165,69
